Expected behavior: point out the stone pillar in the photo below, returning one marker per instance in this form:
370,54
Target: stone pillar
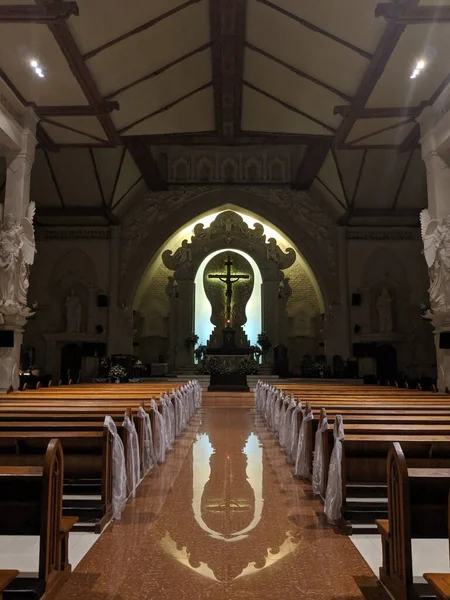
17,230
270,314
435,142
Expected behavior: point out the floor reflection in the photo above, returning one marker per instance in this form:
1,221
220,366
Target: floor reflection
222,519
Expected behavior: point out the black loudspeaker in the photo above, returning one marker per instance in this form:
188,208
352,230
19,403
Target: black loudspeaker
7,338
357,328
444,340
364,350
356,299
99,328
102,300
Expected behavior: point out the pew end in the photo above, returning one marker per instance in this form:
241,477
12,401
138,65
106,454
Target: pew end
440,584
6,577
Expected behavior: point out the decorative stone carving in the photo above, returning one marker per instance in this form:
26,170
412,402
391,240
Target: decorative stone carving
74,311
172,288
285,290
436,243
17,250
384,309
226,230
142,220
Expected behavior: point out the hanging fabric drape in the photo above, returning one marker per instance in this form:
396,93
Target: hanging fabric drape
167,423
287,424
281,429
132,456
302,466
292,452
318,477
149,456
119,473
159,441
333,496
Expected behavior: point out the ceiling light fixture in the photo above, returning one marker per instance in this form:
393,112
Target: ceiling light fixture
420,66
37,68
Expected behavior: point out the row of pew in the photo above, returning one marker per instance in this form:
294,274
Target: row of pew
71,457
379,458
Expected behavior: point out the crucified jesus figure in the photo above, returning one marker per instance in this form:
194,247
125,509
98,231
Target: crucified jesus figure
228,278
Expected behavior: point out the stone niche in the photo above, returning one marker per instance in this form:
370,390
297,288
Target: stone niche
169,294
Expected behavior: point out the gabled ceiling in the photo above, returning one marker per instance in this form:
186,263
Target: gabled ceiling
133,88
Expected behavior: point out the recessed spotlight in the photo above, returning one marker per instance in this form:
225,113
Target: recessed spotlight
39,72
420,66
34,64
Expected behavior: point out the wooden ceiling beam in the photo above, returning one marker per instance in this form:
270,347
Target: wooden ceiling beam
44,140
245,138
298,72
411,140
289,106
44,14
72,54
76,111
316,29
227,21
416,15
145,162
139,29
382,54
378,113
311,164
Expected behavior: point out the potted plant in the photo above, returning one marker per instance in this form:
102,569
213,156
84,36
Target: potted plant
117,373
264,343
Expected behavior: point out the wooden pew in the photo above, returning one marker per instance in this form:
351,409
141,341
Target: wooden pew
88,468
31,504
417,508
440,584
6,576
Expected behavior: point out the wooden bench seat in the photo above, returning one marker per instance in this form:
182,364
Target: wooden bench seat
6,577
31,504
440,584
88,468
417,508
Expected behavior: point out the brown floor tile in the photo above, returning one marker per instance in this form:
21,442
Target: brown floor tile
223,519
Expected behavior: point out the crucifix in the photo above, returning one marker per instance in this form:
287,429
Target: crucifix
228,278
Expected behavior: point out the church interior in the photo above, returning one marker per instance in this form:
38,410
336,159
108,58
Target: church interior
224,299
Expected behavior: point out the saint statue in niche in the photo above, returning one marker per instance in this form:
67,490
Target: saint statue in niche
73,312
384,309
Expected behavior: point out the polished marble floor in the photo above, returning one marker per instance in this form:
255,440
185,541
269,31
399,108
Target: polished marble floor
223,519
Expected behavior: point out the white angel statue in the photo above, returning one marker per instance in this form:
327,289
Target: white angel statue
17,250
436,248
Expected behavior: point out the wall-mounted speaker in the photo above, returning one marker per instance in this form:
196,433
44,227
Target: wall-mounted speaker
93,349
357,328
102,300
444,340
356,299
7,338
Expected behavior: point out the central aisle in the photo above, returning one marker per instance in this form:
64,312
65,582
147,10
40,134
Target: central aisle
223,519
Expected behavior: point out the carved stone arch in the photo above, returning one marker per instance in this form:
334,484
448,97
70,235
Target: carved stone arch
204,169
229,230
148,226
253,169
229,169
73,271
181,169
277,169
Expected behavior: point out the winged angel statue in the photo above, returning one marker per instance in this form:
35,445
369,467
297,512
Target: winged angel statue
436,244
17,250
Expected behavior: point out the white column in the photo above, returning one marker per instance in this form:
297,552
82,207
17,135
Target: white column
16,233
435,141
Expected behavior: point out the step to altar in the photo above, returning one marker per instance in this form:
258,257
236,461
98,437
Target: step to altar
227,399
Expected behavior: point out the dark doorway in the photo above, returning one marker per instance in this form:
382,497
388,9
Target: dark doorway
386,363
70,362
281,360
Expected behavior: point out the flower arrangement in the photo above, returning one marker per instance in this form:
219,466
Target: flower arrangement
200,352
139,365
191,341
264,342
211,365
118,372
